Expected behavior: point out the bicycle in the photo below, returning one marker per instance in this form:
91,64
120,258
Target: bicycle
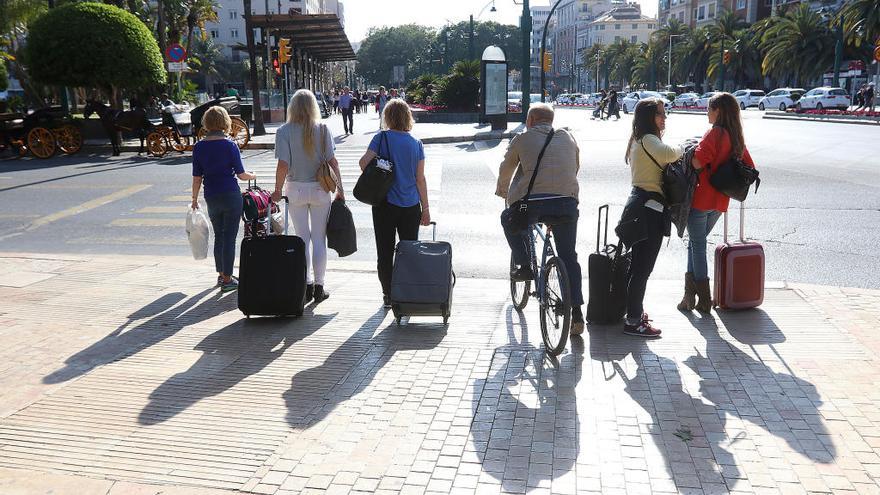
552,289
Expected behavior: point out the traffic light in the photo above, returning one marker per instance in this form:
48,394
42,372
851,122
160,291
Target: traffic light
275,64
284,50
548,61
726,57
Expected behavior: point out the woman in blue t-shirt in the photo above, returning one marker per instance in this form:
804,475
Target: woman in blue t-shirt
217,162
406,205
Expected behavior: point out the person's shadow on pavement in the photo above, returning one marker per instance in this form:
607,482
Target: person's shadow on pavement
230,355
750,390
315,392
166,316
525,427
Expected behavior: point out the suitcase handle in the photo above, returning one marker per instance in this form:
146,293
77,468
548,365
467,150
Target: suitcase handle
434,233
742,224
599,227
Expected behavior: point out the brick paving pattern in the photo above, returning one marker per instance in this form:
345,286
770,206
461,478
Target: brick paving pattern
130,375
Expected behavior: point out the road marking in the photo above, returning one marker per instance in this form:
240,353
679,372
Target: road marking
148,222
15,216
163,209
185,199
88,205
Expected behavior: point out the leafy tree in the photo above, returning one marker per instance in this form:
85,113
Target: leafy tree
460,89
420,89
387,47
204,59
455,40
199,13
861,21
4,76
745,59
651,67
621,55
93,45
800,45
693,56
15,15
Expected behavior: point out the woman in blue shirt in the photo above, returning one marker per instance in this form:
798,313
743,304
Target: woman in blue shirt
217,163
406,205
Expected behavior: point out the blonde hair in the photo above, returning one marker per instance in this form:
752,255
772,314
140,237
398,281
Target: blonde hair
541,112
303,110
216,119
397,116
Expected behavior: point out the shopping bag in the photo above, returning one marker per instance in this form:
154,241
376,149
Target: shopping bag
198,230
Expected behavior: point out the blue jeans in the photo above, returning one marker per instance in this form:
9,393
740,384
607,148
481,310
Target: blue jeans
561,214
224,210
700,224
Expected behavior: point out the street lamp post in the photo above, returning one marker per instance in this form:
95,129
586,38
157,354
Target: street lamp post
544,46
669,56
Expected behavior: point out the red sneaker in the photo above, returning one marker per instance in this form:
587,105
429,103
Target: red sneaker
642,329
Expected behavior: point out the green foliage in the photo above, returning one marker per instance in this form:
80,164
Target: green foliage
460,89
861,21
4,76
93,45
800,44
422,88
187,91
387,47
454,40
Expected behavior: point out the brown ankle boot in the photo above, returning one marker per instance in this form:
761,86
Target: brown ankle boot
690,293
704,293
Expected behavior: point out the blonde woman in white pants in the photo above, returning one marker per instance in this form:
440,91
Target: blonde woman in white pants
300,146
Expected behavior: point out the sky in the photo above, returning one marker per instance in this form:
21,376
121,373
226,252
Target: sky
361,15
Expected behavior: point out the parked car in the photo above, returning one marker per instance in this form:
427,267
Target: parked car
669,95
824,97
629,101
514,101
685,100
781,98
590,99
563,99
703,100
748,97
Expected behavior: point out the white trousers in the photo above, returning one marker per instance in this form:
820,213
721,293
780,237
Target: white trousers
309,211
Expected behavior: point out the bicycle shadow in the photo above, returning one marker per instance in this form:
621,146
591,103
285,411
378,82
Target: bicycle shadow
525,426
167,316
316,392
229,356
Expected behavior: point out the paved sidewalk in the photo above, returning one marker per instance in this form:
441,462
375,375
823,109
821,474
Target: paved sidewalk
133,376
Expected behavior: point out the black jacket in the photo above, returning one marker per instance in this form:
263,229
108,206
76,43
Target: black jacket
636,223
341,233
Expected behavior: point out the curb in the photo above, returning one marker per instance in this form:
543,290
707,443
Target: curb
780,116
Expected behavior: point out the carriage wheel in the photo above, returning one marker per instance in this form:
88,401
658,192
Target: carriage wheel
156,144
41,142
240,133
179,142
201,134
69,139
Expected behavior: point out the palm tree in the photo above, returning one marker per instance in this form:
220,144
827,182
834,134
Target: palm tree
621,58
861,21
205,58
692,56
745,58
651,65
15,15
800,45
200,13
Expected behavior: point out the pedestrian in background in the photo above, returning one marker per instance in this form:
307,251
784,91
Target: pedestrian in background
301,145
381,101
345,108
406,206
869,97
613,105
336,100
356,97
718,145
645,219
216,164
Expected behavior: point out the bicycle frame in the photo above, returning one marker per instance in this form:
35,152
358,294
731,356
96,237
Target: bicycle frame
540,231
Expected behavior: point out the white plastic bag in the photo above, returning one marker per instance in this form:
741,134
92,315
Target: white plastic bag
198,230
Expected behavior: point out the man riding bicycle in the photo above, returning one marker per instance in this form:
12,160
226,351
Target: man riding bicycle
553,200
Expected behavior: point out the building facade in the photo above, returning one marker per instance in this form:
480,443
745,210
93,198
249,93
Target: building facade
539,17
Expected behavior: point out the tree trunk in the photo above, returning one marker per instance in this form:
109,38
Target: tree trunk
259,129
160,27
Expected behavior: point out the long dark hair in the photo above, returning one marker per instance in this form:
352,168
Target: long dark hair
729,120
644,122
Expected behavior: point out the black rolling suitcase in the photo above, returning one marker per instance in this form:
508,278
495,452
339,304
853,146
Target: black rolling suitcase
609,275
272,273
422,280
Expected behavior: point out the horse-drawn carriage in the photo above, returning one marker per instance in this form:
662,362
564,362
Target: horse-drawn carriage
181,126
41,132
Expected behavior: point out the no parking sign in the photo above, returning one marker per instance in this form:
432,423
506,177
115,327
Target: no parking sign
175,53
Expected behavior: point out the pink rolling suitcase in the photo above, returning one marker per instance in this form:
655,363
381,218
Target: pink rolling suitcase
739,271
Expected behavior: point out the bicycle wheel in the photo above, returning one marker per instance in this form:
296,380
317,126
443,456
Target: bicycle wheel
519,291
555,306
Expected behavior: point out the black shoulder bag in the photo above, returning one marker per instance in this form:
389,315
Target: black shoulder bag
517,214
733,179
377,178
675,182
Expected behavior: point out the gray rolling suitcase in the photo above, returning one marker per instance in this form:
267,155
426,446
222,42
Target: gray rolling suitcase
422,280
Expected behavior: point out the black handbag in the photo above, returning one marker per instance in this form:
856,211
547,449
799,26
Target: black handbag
377,178
733,179
341,232
675,181
517,214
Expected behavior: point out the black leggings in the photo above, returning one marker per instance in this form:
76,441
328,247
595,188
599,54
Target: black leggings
390,220
644,256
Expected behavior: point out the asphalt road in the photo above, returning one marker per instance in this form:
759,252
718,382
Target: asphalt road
817,211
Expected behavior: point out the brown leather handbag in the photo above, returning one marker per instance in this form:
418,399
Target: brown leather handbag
326,176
